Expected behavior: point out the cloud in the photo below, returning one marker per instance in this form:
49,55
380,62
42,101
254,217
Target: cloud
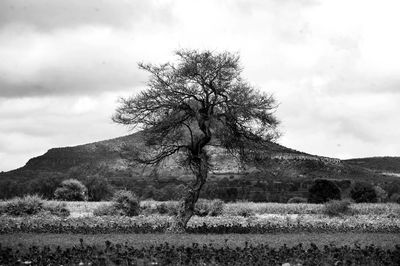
76,47
46,15
341,125
32,125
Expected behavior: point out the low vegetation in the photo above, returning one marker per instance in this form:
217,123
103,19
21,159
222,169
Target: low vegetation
203,208
337,207
123,203
257,224
166,254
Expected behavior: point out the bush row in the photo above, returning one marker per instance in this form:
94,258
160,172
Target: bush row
246,209
165,254
126,203
201,225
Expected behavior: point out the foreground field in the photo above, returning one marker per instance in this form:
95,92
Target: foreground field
200,254
25,240
243,233
201,225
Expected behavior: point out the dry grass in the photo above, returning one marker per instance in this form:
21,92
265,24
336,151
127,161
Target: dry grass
83,208
86,208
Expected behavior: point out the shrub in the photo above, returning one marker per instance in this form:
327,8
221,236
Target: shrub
28,205
162,208
71,190
170,208
33,204
322,191
179,191
297,200
148,192
206,207
336,207
363,192
44,185
127,202
216,207
381,194
202,207
392,188
98,188
245,212
395,198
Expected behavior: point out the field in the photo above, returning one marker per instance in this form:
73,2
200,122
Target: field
245,233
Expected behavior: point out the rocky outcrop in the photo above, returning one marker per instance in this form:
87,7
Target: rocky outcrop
301,157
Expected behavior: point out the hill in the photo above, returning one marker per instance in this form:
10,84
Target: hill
386,165
275,174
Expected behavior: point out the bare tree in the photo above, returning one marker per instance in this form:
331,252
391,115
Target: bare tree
199,101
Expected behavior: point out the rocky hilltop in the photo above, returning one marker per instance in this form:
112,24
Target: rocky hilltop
106,156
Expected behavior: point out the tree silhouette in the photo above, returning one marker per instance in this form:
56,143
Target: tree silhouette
199,101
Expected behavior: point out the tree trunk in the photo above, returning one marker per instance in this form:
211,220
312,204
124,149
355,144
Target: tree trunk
188,202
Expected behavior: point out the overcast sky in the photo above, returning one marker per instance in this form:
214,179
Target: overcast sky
333,65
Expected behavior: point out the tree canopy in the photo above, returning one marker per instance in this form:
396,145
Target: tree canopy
200,97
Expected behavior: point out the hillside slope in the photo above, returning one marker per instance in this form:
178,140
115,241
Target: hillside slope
382,164
105,156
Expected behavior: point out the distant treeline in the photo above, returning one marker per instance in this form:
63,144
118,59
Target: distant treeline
228,189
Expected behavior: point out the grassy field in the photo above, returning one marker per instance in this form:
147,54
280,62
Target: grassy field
84,208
